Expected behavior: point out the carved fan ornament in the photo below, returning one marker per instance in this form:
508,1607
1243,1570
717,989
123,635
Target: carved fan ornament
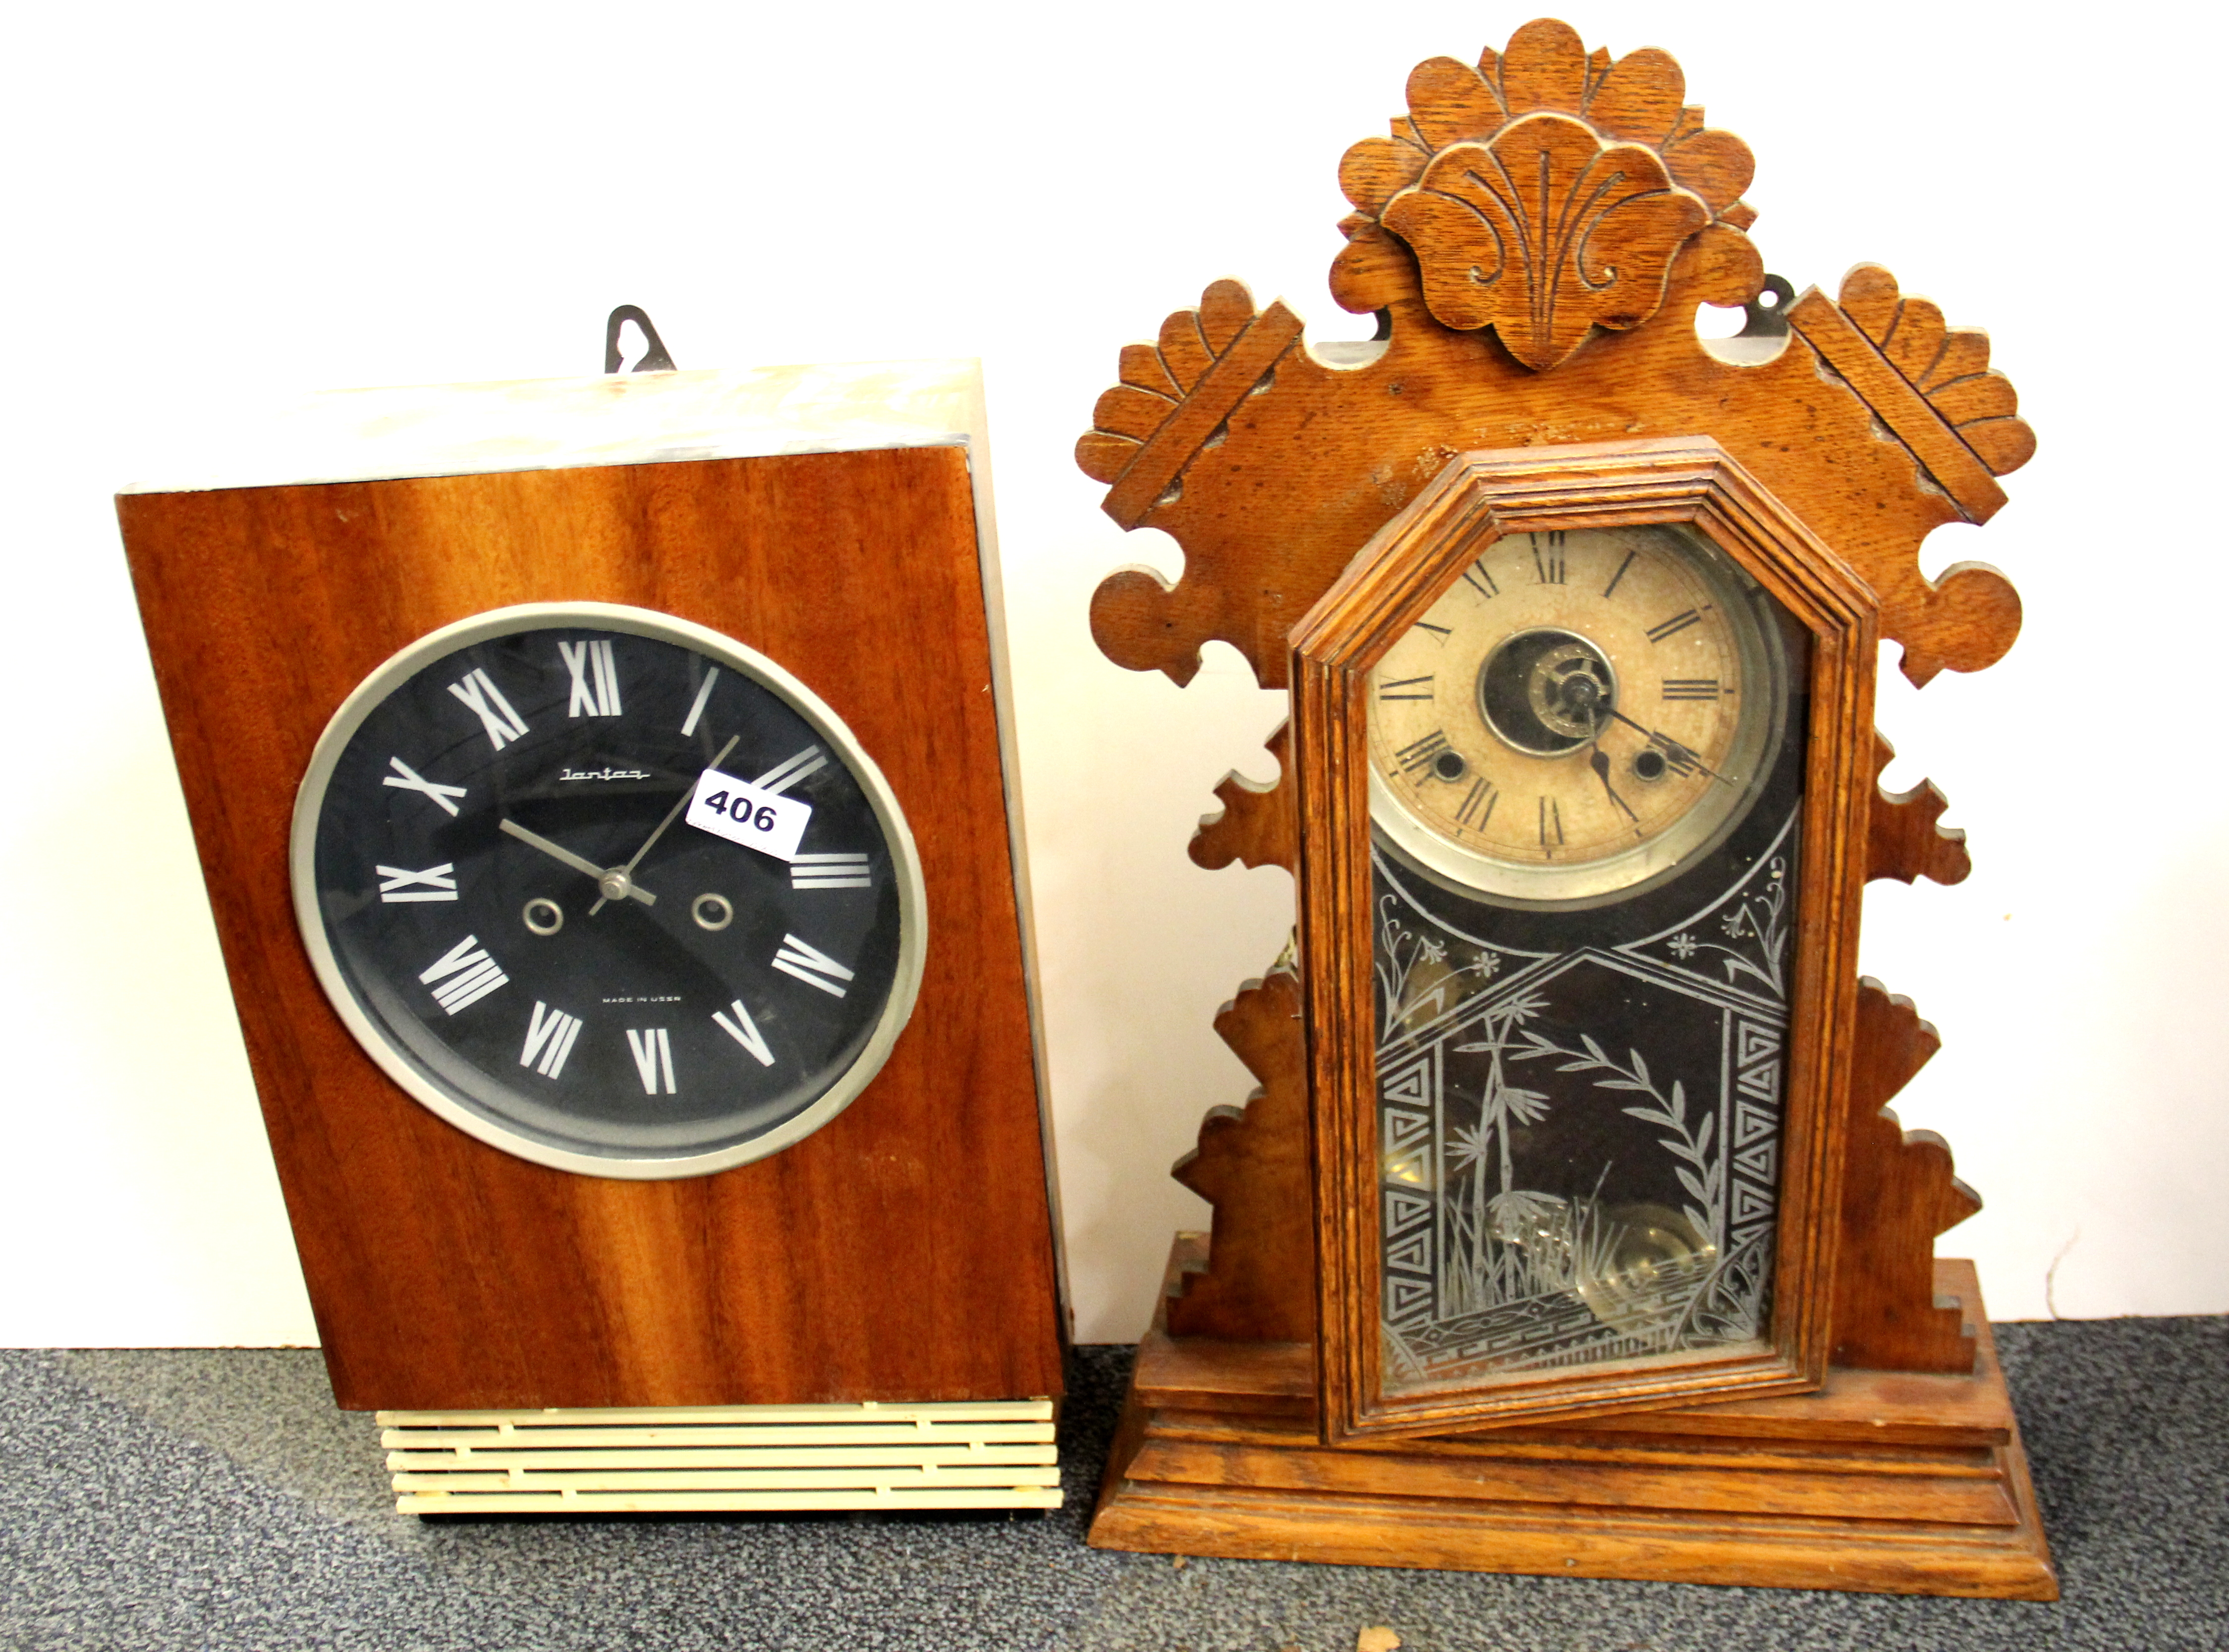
1545,192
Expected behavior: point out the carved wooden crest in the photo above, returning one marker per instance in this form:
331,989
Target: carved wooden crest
1544,192
1875,396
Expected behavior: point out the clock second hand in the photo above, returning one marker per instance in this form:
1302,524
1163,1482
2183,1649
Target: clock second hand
626,872
614,879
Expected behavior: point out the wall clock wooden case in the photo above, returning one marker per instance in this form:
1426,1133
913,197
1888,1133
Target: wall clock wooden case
1569,1230
602,793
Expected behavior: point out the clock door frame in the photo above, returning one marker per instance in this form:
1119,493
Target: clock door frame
1477,498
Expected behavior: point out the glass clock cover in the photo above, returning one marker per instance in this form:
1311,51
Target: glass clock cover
534,917
1584,796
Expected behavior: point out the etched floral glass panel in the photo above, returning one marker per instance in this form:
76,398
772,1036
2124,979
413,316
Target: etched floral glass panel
1579,1150
1586,780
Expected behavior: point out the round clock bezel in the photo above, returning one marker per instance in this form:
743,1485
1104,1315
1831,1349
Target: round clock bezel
404,664
1575,886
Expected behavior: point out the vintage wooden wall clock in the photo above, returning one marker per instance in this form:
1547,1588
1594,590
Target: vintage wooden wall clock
599,786
1569,1231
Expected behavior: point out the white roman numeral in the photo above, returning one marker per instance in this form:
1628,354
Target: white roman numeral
745,1031
654,1058
787,773
549,1035
411,780
595,679
830,872
467,974
434,884
704,698
811,965
478,690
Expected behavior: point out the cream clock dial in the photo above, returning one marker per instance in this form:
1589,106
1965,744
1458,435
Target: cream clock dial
1580,713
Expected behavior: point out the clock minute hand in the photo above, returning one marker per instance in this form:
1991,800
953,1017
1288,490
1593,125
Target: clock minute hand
1671,747
615,883
672,814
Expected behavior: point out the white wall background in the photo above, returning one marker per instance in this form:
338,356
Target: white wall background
227,205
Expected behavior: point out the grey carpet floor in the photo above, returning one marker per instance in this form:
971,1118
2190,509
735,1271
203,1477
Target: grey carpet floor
214,1498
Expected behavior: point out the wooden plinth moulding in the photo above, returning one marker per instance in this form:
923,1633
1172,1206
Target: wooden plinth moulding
1526,391
1891,1482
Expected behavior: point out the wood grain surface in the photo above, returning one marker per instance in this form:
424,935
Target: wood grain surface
1885,1481
1256,824
1252,1166
1321,453
1902,1194
1907,841
902,1252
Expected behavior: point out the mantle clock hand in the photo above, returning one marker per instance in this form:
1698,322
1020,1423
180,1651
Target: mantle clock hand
1600,763
1679,756
616,882
625,874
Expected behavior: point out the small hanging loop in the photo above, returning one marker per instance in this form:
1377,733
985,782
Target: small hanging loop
654,358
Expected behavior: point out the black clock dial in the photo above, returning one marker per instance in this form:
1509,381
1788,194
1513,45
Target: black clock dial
511,896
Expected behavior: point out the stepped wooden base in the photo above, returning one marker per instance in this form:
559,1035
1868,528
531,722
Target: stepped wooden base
1889,1481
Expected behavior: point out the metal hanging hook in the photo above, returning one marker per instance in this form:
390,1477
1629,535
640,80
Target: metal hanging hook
654,358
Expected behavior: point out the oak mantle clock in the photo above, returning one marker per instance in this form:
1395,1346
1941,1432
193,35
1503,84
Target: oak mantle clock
1569,1230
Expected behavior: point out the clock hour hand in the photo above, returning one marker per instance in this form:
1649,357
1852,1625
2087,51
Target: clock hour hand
1679,756
1600,763
617,883
626,872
